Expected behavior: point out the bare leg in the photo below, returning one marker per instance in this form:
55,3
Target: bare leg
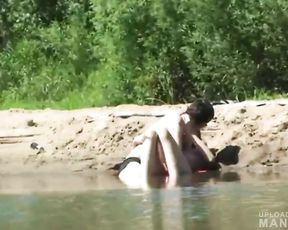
176,162
149,167
150,162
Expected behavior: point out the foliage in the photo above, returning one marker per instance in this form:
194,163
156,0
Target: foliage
75,53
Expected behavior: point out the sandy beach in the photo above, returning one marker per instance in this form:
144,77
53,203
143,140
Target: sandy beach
93,140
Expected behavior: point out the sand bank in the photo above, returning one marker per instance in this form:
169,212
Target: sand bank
93,140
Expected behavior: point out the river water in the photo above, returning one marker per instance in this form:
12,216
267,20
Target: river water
227,201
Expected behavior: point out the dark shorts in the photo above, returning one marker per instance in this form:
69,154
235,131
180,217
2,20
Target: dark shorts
127,161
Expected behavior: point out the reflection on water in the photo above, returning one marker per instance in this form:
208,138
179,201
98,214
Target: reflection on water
213,202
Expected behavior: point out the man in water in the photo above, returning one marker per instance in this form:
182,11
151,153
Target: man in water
172,147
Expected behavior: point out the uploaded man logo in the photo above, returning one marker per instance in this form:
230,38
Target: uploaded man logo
273,220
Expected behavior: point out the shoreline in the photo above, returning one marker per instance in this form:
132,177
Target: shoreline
92,140
56,182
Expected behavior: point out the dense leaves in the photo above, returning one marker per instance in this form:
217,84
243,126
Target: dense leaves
95,52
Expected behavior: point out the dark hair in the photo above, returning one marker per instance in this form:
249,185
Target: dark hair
228,155
201,111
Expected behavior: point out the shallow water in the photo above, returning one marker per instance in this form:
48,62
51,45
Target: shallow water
215,202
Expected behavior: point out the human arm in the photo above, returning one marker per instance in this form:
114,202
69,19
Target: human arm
172,122
200,144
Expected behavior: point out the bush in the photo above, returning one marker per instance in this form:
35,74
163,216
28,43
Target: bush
130,51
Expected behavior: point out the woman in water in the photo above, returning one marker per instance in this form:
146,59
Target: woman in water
171,147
